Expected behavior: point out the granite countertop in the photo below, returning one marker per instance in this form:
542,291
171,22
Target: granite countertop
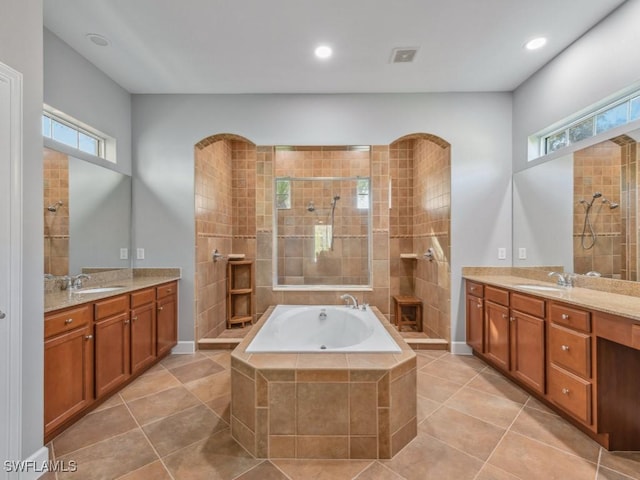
59,299
607,302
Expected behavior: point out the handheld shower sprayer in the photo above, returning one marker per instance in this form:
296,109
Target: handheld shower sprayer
311,207
54,206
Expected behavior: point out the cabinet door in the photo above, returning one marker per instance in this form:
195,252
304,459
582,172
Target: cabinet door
527,348
497,338
166,324
143,336
68,376
475,320
112,353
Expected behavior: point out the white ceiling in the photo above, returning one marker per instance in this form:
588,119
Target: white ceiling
266,46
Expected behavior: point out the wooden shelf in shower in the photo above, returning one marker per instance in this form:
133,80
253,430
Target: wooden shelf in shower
239,292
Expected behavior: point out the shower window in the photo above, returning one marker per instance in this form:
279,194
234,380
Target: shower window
323,240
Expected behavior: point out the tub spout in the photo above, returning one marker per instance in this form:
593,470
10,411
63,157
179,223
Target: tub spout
354,301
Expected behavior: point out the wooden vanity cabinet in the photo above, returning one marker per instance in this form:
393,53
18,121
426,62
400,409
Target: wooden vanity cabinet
166,315
68,364
112,344
475,316
497,334
143,329
528,340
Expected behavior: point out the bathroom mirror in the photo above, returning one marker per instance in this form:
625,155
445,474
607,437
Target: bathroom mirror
580,210
322,218
87,215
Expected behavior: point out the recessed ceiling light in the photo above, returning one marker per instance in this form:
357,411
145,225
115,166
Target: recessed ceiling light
98,39
323,51
536,43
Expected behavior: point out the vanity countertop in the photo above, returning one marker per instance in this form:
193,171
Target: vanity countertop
58,299
607,302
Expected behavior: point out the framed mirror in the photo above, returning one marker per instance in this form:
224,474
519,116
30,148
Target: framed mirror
87,215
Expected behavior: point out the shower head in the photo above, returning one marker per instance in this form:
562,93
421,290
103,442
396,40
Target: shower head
54,206
337,197
597,195
335,200
611,204
311,206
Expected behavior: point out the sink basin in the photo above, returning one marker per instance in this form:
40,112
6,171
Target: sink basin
539,288
96,290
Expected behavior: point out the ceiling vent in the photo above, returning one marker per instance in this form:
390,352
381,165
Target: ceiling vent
403,55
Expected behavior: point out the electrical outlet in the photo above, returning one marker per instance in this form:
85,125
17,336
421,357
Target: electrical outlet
502,253
522,253
140,253
124,254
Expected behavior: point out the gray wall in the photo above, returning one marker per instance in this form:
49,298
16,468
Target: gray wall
166,128
601,63
76,87
21,49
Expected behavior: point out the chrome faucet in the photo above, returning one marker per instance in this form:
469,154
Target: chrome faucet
354,301
77,280
564,279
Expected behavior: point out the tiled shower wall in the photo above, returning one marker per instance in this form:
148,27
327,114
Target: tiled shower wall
629,207
598,169
56,224
420,218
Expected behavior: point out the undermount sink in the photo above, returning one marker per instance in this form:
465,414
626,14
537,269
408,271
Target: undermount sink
96,290
539,288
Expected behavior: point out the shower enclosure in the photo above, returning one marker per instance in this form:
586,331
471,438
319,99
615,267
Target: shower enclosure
323,231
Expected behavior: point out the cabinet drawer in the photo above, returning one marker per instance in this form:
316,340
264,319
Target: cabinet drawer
475,289
617,329
496,295
166,290
570,317
571,393
142,297
111,306
58,322
570,350
526,304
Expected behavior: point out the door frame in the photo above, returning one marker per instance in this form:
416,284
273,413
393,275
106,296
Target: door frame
12,343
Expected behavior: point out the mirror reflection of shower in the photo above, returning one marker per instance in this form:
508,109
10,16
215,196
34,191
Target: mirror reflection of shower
588,237
54,206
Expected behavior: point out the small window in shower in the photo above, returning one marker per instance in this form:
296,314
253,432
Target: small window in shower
283,193
363,193
321,240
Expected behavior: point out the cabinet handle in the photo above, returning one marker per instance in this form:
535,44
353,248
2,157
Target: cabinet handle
68,321
88,337
160,308
133,319
512,319
473,289
126,321
479,305
565,316
565,391
504,315
565,348
168,290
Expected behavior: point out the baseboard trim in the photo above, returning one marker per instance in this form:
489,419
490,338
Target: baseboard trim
184,348
460,348
36,465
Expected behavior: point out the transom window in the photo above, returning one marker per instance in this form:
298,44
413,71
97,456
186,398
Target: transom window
72,134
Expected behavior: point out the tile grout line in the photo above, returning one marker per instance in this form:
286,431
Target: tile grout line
598,465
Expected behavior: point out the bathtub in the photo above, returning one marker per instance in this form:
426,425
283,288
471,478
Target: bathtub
322,328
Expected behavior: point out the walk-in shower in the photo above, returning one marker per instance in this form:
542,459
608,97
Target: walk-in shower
589,236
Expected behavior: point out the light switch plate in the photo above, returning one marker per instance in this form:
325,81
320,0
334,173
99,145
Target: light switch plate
502,253
140,253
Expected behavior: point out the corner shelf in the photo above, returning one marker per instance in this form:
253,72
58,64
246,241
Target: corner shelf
239,292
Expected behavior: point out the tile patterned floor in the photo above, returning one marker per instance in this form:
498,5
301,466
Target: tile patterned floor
172,423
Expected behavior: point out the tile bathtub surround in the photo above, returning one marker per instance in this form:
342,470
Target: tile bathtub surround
472,424
56,224
333,405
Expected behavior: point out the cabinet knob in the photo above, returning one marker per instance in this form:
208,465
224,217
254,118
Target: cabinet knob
504,315
512,319
133,319
160,308
88,337
126,321
168,290
565,391
565,316
473,289
565,348
479,305
68,321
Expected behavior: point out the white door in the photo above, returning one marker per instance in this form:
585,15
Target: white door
10,263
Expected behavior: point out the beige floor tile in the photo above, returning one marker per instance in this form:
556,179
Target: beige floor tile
112,401
468,361
627,463
182,429
459,374
422,360
211,387
538,405
153,471
425,408
264,471
111,458
218,457
173,361
195,370
435,388
149,384
427,457
556,432
154,407
94,428
489,472
468,434
607,474
524,457
221,357
321,469
499,385
490,408
222,407
377,471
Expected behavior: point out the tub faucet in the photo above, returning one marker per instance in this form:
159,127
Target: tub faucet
354,301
